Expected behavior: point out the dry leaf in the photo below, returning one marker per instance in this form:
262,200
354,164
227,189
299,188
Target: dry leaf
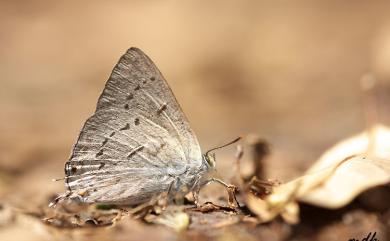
343,172
344,181
335,179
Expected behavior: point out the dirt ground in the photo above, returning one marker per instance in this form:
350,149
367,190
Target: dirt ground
288,72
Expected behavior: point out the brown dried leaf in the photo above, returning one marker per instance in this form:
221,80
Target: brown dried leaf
338,185
351,167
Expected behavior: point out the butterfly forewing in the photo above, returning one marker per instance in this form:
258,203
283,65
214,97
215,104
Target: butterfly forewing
137,141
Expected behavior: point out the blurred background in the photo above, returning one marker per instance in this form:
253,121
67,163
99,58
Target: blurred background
287,71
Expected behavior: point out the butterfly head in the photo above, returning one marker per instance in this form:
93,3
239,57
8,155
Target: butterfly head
209,156
209,160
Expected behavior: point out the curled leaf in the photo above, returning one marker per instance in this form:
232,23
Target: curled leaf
345,181
349,168
343,172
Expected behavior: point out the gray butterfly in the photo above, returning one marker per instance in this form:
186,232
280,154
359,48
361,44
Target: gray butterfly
138,143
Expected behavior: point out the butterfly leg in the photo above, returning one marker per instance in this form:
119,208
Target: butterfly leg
170,194
231,190
195,193
195,189
176,191
208,181
219,181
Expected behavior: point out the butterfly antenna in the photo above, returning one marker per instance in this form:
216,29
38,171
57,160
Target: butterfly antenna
219,147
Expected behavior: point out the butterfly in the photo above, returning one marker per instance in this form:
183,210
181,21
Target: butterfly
137,144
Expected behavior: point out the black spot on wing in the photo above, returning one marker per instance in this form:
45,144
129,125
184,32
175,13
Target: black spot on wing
129,97
100,153
105,141
136,121
126,127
